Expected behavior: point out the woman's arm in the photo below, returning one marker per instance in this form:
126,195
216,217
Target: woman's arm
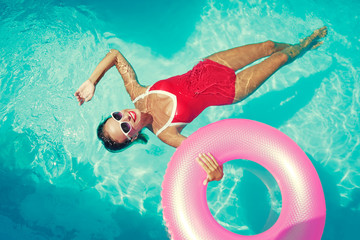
207,161
175,139
114,57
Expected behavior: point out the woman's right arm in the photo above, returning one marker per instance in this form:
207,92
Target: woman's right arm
114,57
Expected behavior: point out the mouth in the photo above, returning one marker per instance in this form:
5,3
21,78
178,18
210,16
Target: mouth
132,115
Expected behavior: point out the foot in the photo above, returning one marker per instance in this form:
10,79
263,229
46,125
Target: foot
280,46
309,42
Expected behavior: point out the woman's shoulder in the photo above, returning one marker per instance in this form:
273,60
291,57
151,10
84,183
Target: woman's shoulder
139,92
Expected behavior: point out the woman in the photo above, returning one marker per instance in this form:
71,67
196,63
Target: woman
167,106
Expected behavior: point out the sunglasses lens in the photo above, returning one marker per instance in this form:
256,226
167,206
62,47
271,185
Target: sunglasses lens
117,115
125,127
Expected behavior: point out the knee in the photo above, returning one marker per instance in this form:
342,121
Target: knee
284,58
269,47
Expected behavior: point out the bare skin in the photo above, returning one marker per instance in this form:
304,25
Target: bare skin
153,111
212,168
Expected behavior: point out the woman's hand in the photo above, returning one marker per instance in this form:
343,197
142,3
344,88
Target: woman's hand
212,168
85,92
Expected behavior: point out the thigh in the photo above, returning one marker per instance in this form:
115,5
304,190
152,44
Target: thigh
239,57
250,79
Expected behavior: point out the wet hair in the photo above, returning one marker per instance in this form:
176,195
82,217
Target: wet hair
113,146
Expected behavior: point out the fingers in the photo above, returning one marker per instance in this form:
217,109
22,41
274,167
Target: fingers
206,168
79,97
82,98
206,181
88,98
77,93
210,165
208,161
323,32
323,28
85,92
317,45
203,165
213,164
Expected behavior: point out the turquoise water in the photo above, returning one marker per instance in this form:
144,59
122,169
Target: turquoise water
58,182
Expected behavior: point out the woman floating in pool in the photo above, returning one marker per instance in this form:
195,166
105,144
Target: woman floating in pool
168,105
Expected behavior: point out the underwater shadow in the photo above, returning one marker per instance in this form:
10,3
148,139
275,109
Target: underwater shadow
32,208
341,222
38,210
276,107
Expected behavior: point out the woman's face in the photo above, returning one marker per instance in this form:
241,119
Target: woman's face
113,129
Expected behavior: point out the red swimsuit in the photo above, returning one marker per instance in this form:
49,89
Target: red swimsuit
207,84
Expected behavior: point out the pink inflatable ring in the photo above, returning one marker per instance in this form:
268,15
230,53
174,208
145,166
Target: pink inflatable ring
184,203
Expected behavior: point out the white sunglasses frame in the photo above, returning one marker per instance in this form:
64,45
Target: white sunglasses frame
119,121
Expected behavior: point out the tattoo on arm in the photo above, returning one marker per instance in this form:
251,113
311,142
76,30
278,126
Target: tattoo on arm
127,73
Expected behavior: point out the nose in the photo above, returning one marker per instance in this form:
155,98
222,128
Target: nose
126,117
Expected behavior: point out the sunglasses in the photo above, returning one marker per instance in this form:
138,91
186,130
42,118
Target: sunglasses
124,126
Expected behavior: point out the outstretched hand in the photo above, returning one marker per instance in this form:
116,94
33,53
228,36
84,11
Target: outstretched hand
212,168
85,92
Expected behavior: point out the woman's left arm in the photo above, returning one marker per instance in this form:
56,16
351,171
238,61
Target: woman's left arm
173,139
207,161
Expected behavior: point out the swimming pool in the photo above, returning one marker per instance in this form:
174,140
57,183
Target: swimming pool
58,182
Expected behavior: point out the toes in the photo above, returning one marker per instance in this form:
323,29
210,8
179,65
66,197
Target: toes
323,32
317,45
323,28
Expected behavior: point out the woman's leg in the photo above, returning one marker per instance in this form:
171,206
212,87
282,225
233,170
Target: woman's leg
239,57
248,80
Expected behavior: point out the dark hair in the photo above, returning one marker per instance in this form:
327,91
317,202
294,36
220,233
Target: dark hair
113,146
